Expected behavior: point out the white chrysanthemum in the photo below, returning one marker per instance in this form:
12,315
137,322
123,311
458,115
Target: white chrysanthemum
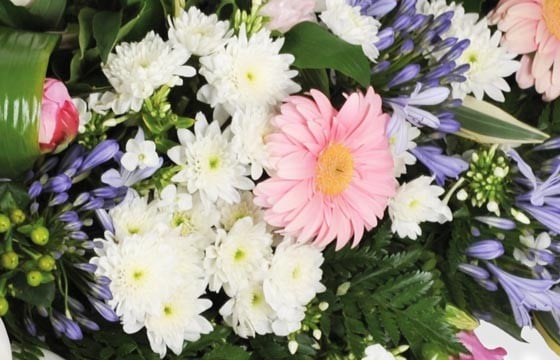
249,129
196,224
489,62
346,22
173,198
293,280
248,73
198,33
137,69
209,166
178,319
230,213
248,312
143,273
140,153
135,216
377,352
401,139
414,203
238,257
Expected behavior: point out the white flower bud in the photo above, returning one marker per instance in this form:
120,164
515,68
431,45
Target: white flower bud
462,195
293,346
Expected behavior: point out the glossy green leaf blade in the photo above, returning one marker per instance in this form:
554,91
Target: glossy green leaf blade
23,62
485,123
316,48
40,15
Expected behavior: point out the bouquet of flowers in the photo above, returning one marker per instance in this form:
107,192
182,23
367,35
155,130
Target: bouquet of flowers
271,179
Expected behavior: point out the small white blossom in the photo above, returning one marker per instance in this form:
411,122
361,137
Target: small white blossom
85,115
248,312
238,257
536,248
401,139
377,352
248,72
198,33
136,70
414,203
140,153
209,166
346,22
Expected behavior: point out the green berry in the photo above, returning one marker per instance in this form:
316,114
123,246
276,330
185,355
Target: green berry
4,223
4,306
17,216
10,260
46,263
34,278
40,235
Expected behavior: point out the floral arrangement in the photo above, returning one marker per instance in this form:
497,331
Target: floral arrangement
308,179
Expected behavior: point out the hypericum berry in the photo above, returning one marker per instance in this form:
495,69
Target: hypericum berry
10,260
4,306
40,235
4,223
34,278
17,216
46,263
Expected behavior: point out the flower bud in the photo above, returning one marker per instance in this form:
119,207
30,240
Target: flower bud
59,117
486,249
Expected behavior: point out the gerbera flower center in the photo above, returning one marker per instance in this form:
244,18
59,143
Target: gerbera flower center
334,170
551,14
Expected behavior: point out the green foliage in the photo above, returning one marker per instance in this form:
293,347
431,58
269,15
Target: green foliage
316,48
388,300
40,15
23,59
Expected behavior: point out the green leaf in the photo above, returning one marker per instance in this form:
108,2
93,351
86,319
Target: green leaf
145,20
24,58
106,25
228,352
85,20
488,124
548,328
40,15
316,48
42,295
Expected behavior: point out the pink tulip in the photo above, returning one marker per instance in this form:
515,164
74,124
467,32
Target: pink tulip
59,117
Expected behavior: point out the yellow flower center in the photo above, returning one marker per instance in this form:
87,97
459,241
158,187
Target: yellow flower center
551,14
334,170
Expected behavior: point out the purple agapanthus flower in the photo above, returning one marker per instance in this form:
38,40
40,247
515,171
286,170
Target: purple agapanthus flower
440,165
526,294
375,8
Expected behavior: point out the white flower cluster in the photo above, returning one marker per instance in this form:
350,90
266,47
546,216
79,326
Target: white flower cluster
166,254
489,63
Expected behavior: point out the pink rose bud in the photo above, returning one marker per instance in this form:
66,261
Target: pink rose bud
59,117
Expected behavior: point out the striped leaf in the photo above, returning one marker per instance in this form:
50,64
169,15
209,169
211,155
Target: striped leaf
23,62
488,124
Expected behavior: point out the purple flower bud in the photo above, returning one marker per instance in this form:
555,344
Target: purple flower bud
386,39
89,245
442,27
449,126
110,192
101,292
489,285
402,22
407,74
440,71
475,231
380,67
30,326
440,165
551,144
454,103
81,199
374,8
72,330
57,323
59,199
497,222
445,43
474,271
554,246
456,50
407,5
76,305
34,207
105,220
103,309
545,256
73,226
103,152
79,235
453,79
58,184
103,280
407,47
70,156
461,69
35,189
42,311
68,216
86,267
47,166
486,250
417,22
93,204
87,323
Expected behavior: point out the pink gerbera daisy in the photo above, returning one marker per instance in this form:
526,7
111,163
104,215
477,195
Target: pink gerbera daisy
532,28
333,170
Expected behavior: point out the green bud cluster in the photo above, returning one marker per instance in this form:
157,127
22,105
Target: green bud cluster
487,179
253,21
